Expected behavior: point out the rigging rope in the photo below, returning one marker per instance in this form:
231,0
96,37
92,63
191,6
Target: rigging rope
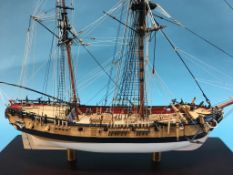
193,59
88,29
174,21
122,53
92,74
96,95
228,4
99,64
216,84
155,45
3,96
48,67
89,83
162,85
228,113
181,58
27,49
114,56
187,67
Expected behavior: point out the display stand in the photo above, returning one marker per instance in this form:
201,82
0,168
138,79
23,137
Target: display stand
214,158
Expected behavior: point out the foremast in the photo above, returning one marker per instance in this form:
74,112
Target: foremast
132,92
142,7
142,12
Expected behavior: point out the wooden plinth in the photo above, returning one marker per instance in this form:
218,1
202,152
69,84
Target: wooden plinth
213,158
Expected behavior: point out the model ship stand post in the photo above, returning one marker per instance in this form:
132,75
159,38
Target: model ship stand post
156,157
71,155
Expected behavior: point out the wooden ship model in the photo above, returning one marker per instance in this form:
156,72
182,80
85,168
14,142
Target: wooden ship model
128,125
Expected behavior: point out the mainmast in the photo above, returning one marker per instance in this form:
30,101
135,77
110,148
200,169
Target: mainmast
66,41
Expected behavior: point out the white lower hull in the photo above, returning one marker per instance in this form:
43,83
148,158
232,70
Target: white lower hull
33,142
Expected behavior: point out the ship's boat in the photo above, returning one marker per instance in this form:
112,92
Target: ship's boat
128,123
